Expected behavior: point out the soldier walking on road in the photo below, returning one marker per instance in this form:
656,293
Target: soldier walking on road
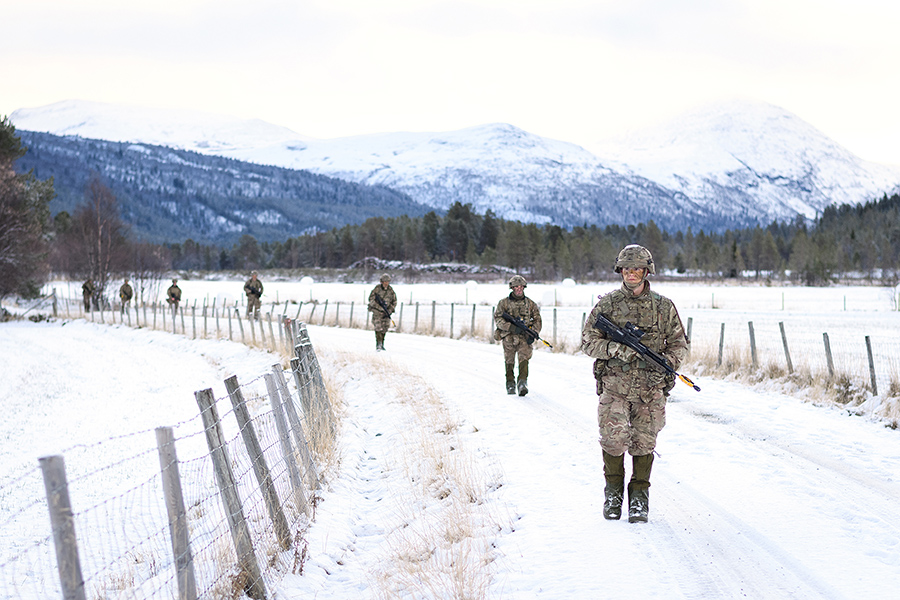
254,290
382,302
632,408
515,340
87,292
125,295
173,296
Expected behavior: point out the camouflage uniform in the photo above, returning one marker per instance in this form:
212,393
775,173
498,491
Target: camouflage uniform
173,295
254,290
87,292
125,294
632,393
514,340
381,321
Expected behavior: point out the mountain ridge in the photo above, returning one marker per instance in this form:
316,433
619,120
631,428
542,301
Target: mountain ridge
736,165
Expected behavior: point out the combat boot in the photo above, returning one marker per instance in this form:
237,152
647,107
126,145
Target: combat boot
379,341
523,378
638,505
510,379
638,489
614,473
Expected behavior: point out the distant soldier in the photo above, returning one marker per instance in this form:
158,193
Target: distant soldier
382,302
632,392
515,340
254,290
87,292
173,296
125,294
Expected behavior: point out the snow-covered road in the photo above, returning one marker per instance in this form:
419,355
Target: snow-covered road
754,495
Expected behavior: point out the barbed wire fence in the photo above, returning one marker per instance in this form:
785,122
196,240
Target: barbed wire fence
215,508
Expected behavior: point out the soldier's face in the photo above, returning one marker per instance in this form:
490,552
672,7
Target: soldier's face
633,275
519,290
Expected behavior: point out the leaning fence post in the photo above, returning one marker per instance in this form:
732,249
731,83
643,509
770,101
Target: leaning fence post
787,353
237,313
312,477
62,522
828,359
271,333
753,360
258,460
234,512
871,366
285,442
178,527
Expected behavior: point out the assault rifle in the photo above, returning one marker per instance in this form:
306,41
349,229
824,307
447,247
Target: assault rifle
631,337
521,325
384,308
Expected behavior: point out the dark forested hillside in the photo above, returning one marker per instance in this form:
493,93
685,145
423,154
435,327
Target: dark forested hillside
168,195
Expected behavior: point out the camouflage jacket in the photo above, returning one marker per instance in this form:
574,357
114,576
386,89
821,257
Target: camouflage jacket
658,318
173,294
523,308
87,288
387,296
125,292
253,287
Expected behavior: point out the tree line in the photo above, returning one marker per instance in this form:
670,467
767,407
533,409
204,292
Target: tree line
847,240
94,242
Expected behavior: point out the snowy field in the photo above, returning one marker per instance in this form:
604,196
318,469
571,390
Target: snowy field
755,494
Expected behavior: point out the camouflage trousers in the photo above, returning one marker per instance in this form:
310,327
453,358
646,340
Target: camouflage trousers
630,425
380,322
515,344
253,304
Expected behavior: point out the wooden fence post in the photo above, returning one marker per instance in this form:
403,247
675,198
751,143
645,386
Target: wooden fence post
554,325
237,314
312,477
178,527
787,353
753,360
234,511
871,366
472,330
284,441
350,321
416,320
258,460
828,359
400,319
62,521
451,320
271,333
433,308
721,345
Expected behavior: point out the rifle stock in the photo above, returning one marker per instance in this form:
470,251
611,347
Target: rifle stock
631,336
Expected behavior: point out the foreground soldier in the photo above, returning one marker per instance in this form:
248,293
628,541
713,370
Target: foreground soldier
254,290
515,340
382,302
632,408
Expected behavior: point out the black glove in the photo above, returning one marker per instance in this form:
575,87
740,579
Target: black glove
529,340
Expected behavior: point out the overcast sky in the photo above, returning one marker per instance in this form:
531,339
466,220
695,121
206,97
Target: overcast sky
573,70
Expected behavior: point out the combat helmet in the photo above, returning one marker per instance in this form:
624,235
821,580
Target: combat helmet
517,280
634,256
385,277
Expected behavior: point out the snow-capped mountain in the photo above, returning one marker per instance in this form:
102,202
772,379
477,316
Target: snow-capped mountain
751,155
734,165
